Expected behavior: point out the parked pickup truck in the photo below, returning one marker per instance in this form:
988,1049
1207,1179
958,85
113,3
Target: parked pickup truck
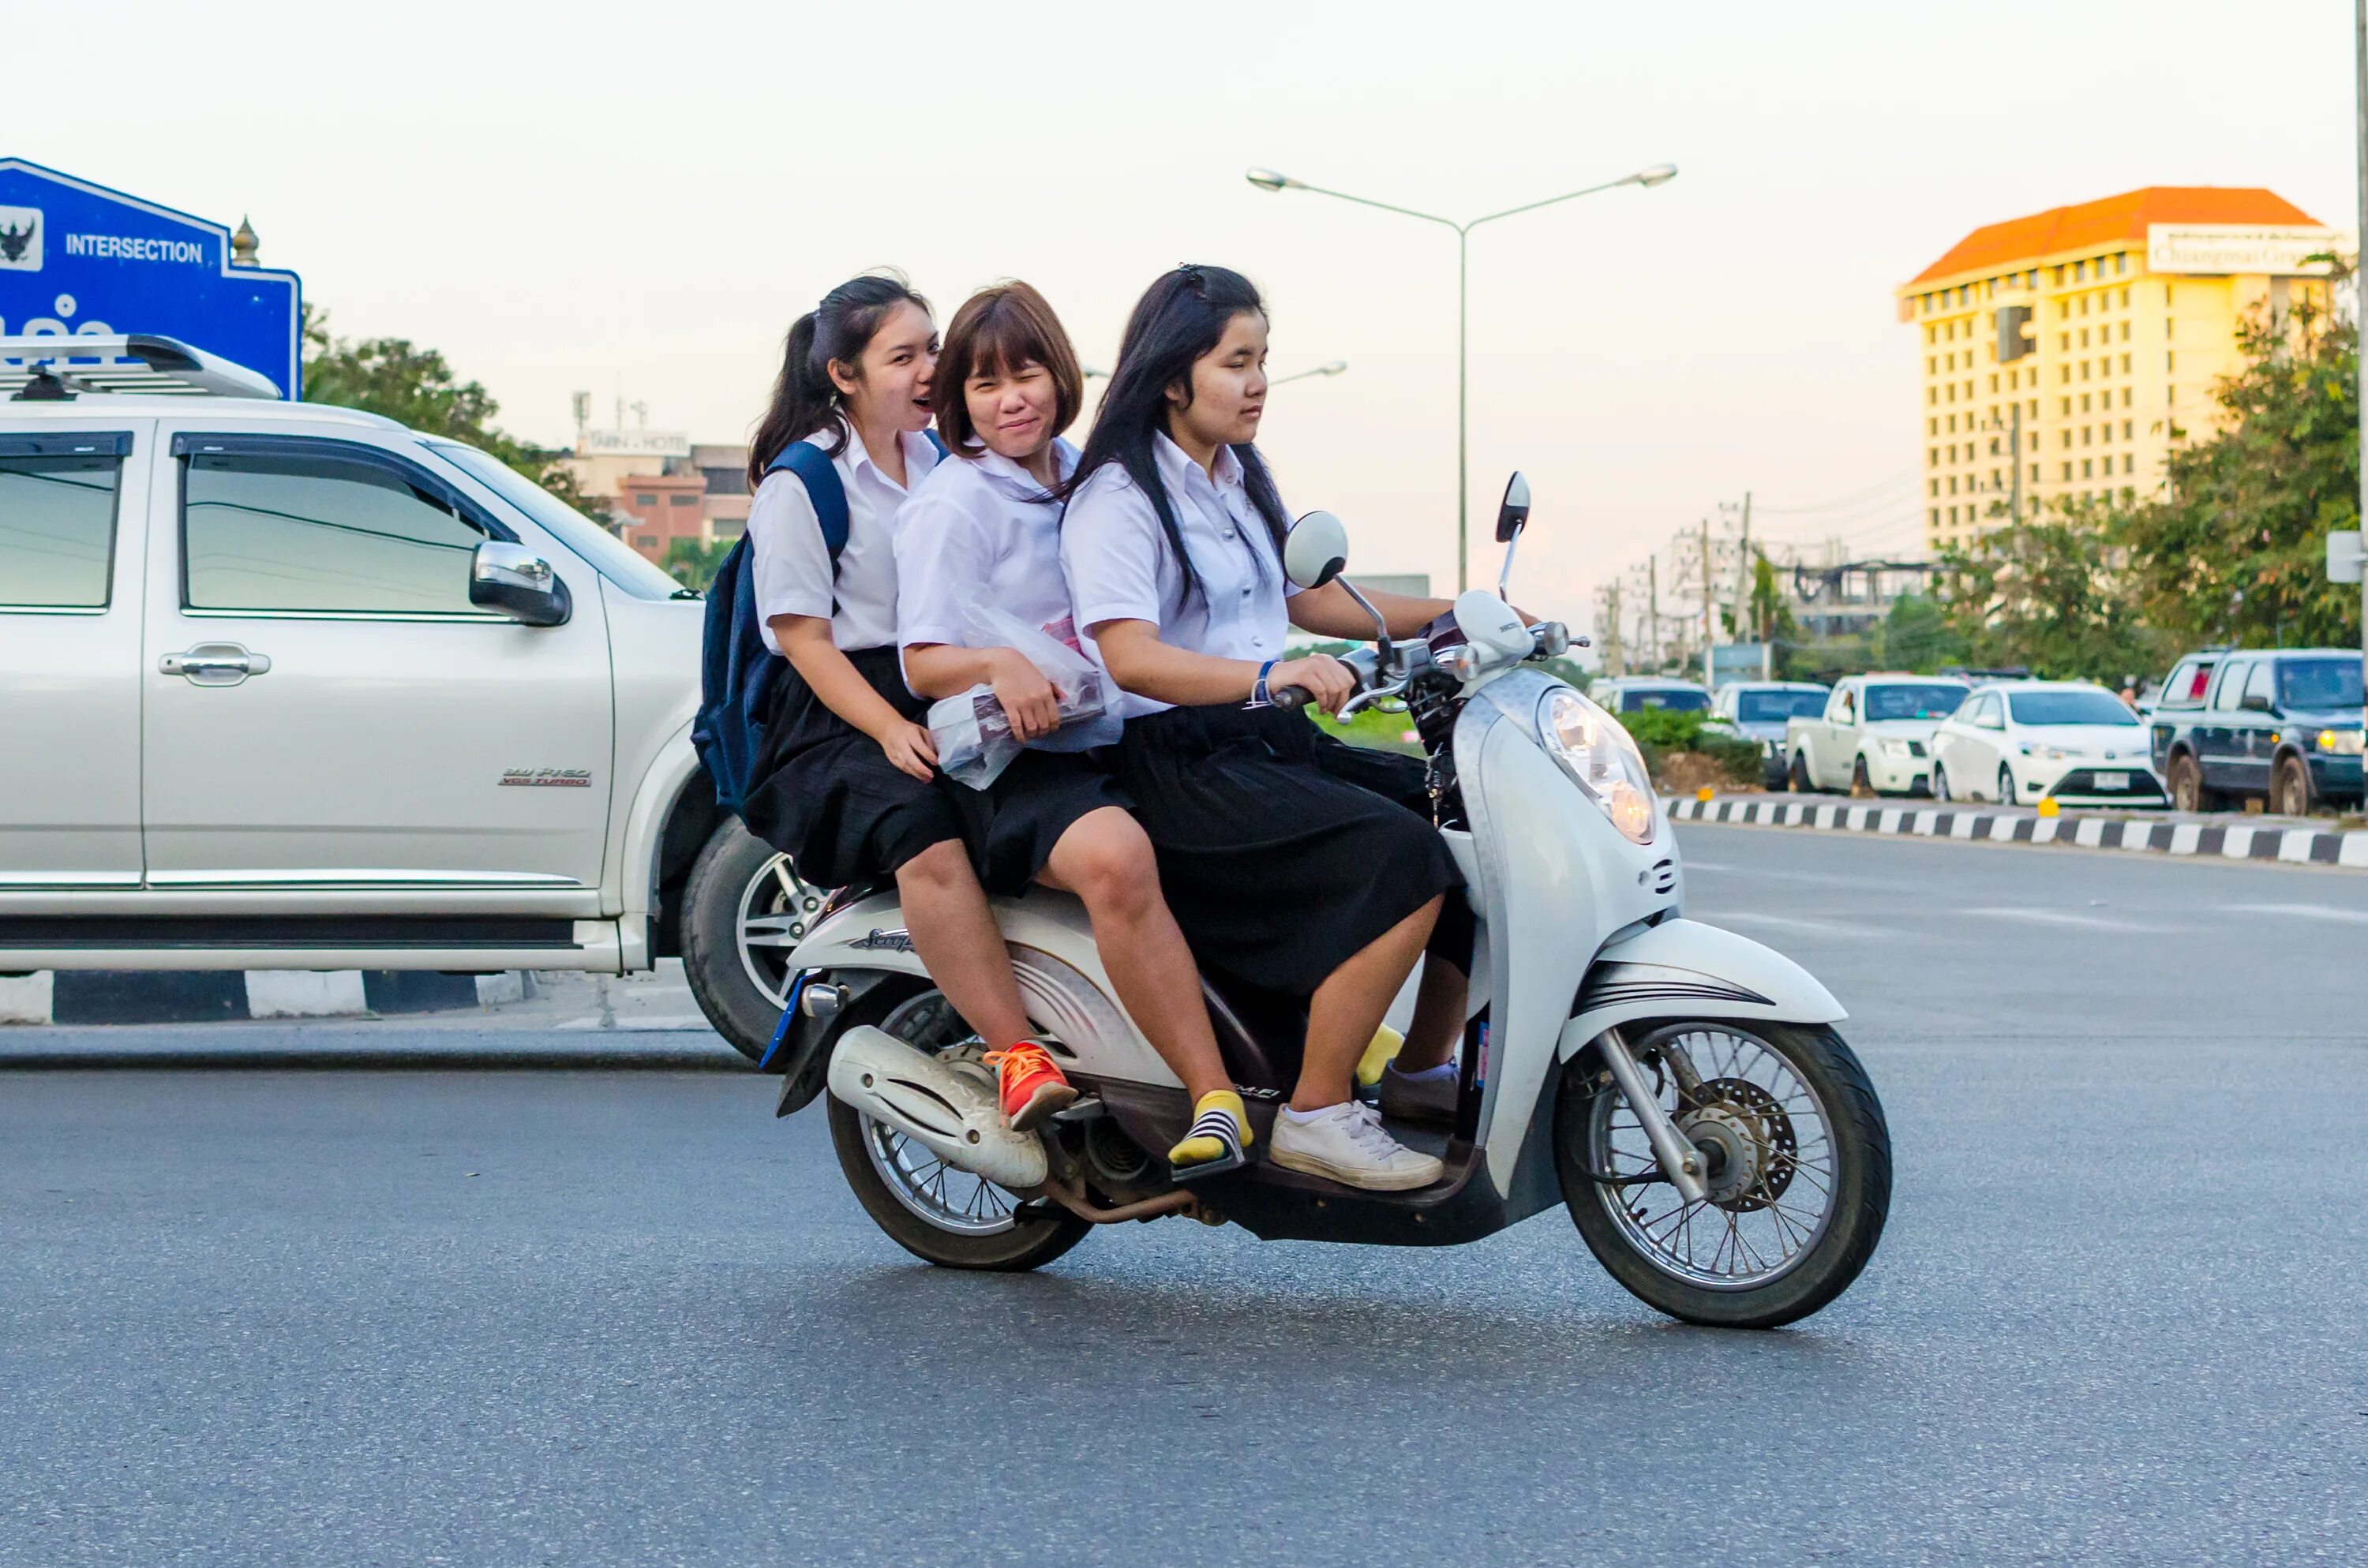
292,686
2281,726
1874,736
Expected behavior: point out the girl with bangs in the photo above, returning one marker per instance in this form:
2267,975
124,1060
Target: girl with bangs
984,529
1293,861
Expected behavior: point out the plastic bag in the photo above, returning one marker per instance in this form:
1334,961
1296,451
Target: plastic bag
973,734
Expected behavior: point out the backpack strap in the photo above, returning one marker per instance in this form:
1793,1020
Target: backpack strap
823,488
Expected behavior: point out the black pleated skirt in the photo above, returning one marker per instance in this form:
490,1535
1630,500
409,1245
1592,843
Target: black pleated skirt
829,797
1282,852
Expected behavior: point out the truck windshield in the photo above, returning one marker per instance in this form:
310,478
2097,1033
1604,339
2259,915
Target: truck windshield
610,556
1677,700
2319,683
1775,706
1901,699
2068,708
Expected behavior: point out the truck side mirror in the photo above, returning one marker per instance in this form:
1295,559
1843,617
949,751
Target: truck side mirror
519,583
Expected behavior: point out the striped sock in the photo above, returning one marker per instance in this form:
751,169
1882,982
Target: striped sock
1220,1129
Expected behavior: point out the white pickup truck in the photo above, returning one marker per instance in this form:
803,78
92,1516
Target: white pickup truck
1874,736
291,686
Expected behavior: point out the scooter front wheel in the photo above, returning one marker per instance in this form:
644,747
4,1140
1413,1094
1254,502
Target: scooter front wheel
1794,1152
935,1212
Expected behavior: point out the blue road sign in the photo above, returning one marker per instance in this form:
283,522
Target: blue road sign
77,258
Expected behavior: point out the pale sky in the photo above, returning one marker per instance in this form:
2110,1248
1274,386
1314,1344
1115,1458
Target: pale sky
597,197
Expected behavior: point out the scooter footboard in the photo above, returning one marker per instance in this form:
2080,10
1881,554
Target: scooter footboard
948,1111
1685,969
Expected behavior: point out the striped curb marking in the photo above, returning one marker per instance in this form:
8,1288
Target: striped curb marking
191,996
2299,846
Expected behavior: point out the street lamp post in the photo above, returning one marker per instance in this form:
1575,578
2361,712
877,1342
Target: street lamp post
1266,179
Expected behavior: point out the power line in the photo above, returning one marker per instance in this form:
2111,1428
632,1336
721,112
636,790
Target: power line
1887,486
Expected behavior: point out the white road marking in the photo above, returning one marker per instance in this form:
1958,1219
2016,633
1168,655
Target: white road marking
2064,917
1794,922
2306,911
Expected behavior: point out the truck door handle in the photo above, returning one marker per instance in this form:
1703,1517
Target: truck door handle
215,663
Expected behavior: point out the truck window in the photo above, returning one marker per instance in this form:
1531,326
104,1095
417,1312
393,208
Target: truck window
2320,683
57,520
320,533
2232,685
2186,685
2264,682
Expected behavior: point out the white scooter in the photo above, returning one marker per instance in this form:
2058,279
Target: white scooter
1680,1089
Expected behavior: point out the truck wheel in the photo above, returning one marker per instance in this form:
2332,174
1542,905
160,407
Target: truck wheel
743,909
1798,779
2187,791
2290,791
1861,787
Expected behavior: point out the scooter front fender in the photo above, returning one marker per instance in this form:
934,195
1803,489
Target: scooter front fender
1683,968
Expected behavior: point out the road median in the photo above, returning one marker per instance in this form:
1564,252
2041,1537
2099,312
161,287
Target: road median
2232,841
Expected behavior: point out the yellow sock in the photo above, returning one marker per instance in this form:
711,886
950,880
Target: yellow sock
1383,1050
1220,1126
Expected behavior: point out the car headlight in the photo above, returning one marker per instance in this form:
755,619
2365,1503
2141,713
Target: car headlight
1895,748
2342,743
1600,755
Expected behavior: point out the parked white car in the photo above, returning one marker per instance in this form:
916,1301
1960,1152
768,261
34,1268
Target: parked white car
1760,710
2023,740
1634,693
1874,736
291,686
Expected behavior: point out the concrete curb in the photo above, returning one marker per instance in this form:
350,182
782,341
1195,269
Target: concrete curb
189,997
2296,845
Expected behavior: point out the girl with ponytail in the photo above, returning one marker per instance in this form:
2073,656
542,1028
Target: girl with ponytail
848,787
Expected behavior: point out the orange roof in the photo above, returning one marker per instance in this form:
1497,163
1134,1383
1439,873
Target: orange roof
2115,218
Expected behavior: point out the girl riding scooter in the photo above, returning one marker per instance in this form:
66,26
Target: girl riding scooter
984,529
1282,868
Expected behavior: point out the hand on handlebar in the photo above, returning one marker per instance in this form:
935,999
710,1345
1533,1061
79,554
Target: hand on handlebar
1325,681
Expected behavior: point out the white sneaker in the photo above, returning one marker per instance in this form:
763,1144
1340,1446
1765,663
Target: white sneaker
1345,1144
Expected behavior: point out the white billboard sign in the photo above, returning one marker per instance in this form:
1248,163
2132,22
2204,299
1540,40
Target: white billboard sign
2278,249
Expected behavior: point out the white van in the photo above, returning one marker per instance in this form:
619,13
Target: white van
285,686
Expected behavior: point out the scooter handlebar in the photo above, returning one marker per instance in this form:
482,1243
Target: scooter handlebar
1290,699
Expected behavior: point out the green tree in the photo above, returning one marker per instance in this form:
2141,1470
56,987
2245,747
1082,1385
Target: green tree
2041,595
416,388
1916,634
2235,550
693,562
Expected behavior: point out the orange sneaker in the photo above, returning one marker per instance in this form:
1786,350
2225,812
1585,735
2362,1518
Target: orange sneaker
1033,1083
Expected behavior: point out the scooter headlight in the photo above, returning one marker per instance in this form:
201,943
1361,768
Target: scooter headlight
1599,755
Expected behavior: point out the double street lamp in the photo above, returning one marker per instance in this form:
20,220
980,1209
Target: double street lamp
1266,179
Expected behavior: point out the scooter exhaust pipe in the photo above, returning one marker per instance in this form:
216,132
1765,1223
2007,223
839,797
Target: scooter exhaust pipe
951,1111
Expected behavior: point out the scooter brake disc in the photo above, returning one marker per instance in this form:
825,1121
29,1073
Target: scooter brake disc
1754,1134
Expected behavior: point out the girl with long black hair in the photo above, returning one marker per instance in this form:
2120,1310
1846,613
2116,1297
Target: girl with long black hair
1292,861
849,784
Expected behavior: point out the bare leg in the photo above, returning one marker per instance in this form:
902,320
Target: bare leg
1348,1008
955,935
1437,1027
1105,859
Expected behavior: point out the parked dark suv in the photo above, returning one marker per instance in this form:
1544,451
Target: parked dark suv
2280,725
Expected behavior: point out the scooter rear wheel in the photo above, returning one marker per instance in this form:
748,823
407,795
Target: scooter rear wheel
1795,1153
937,1213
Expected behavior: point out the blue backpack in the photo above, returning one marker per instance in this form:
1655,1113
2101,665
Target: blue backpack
737,672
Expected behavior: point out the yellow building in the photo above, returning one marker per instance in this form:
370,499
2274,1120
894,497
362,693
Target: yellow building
2062,352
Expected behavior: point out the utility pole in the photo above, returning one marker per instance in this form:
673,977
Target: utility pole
1709,605
1615,661
1653,593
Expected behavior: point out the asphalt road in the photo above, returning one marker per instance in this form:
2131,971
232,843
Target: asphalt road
535,1312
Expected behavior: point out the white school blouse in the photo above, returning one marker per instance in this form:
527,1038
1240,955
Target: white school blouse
793,571
981,530
1119,567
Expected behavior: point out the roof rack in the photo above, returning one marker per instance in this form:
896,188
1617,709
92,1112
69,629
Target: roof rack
53,370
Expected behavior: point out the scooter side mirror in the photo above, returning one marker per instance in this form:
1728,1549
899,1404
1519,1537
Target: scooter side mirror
1316,551
1513,513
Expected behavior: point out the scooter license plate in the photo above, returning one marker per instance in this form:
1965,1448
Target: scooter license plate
2113,781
